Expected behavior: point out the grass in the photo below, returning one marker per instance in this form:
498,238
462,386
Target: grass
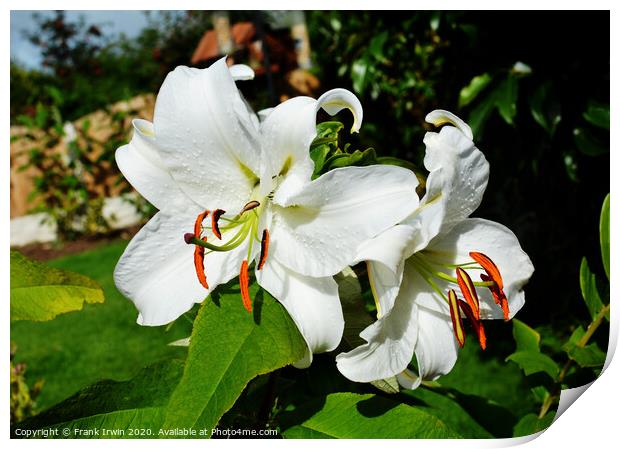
102,341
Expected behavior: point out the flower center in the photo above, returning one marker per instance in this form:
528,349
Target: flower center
242,226
431,270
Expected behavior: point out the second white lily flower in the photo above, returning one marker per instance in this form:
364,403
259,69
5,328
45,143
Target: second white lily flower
417,268
241,191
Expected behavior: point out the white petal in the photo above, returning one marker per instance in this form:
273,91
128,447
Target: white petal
336,100
241,72
264,113
455,185
317,232
142,166
313,304
391,341
440,117
436,349
385,255
157,271
288,131
502,246
206,136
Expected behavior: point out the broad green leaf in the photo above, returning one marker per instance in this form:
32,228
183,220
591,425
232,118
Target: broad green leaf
228,348
349,415
585,356
598,115
466,414
527,339
138,403
589,290
471,91
588,144
588,356
506,98
534,362
40,292
604,234
545,109
531,424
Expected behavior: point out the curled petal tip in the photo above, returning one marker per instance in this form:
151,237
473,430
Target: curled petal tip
440,117
335,100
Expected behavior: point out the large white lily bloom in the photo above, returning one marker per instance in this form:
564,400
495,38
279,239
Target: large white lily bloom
414,275
206,156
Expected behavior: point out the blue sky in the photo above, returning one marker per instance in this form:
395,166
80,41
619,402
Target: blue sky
114,22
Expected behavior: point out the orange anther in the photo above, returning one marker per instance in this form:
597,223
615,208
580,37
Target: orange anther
457,322
198,223
244,283
199,264
215,216
264,249
469,291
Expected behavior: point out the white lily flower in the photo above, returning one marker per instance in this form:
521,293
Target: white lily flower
417,267
206,156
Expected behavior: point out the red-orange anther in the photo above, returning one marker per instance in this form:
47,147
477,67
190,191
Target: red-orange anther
264,249
244,283
469,291
215,216
475,322
199,264
198,223
457,322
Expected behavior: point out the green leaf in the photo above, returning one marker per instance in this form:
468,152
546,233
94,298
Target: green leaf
39,292
588,144
604,234
481,112
545,110
527,339
589,290
598,115
139,403
471,91
357,158
506,98
228,348
349,415
534,362
587,356
469,415
359,69
375,47
531,423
